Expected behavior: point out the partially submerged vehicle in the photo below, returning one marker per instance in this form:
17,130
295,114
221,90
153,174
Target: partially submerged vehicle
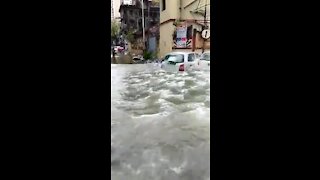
179,61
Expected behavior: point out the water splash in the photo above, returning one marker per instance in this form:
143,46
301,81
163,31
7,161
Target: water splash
160,124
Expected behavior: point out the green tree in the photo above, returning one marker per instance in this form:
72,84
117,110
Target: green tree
129,36
148,55
115,29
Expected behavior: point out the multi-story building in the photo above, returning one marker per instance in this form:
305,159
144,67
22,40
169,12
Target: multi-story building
131,19
112,10
187,17
115,4
131,15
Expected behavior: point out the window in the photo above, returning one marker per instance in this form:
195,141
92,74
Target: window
132,22
205,56
191,57
165,58
163,5
140,23
177,58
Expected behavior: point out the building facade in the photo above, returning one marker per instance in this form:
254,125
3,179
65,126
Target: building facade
131,21
112,10
131,15
181,25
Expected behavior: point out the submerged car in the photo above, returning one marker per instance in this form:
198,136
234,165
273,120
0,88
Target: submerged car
179,61
204,61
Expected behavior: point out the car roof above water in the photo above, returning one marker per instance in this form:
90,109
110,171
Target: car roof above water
177,52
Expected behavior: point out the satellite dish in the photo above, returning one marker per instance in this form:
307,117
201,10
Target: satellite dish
206,34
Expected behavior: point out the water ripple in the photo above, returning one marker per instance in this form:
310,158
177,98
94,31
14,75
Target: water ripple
160,124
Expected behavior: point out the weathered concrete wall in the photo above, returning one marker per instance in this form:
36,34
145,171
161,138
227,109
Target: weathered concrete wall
173,12
136,52
166,40
133,49
125,59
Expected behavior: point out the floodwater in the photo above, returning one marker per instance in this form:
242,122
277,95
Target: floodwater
160,124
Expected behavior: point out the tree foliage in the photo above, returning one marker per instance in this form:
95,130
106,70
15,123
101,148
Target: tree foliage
115,29
148,55
130,36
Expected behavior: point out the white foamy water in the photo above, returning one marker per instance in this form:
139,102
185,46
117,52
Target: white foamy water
160,124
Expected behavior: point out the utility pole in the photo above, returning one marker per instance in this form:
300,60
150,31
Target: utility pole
148,19
205,24
148,25
143,36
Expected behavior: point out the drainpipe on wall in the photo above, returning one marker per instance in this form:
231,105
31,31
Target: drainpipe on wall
180,9
194,36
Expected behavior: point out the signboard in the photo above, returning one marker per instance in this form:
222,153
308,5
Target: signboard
206,34
181,38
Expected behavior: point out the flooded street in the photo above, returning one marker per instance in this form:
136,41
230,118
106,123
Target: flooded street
160,124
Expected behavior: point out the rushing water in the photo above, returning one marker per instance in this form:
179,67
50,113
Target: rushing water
160,124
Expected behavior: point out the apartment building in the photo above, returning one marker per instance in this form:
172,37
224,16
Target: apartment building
182,23
131,20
